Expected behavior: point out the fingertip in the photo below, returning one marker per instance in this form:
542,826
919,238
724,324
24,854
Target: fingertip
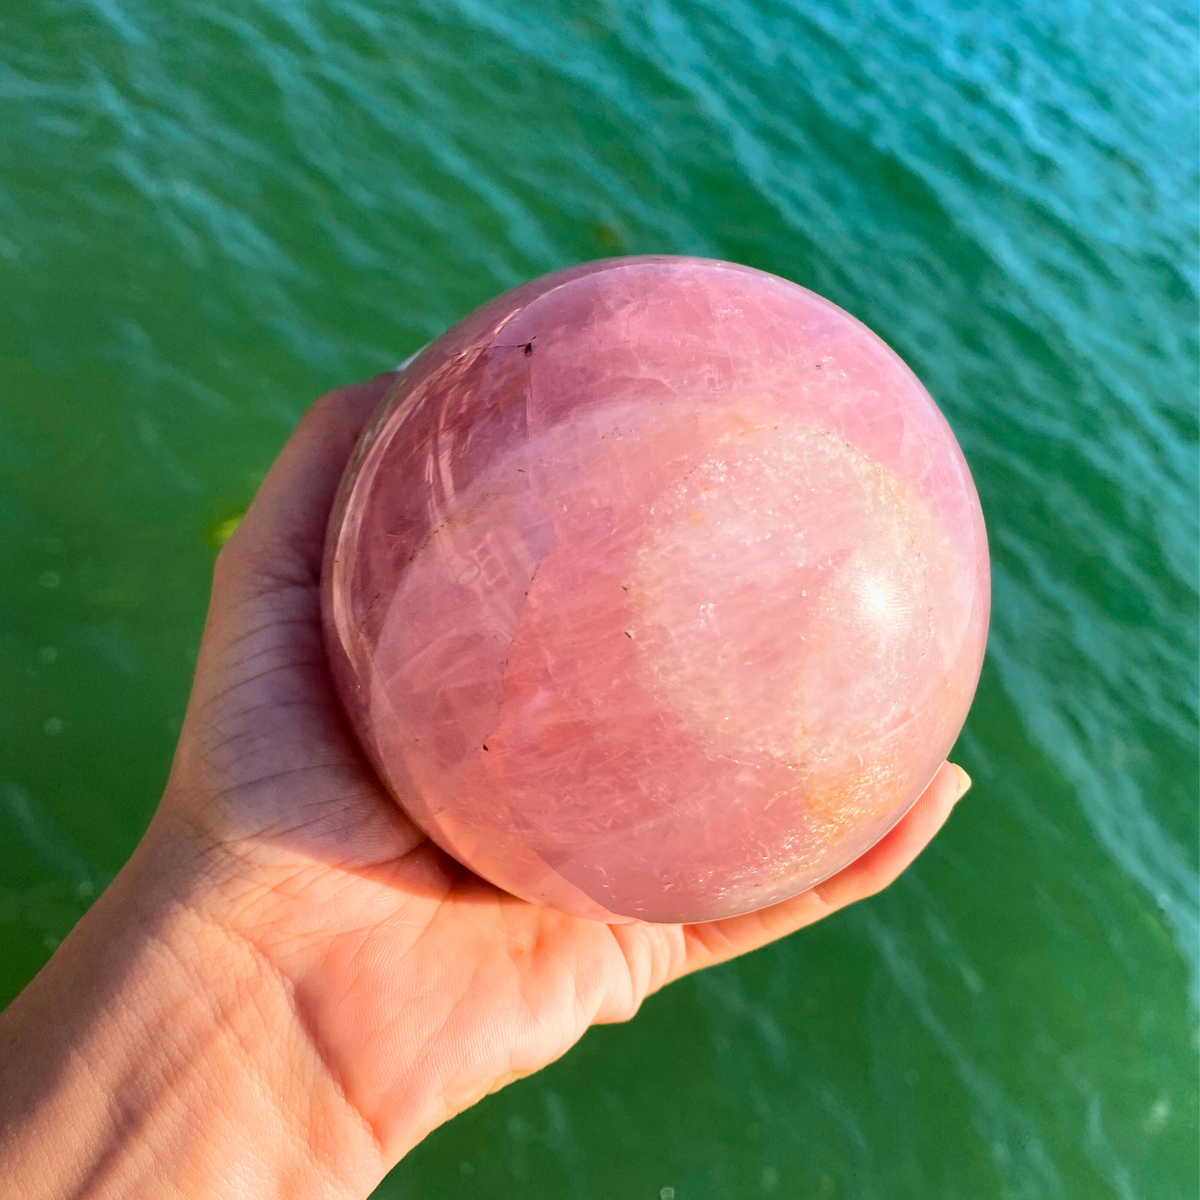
964,782
352,396
868,874
281,537
937,801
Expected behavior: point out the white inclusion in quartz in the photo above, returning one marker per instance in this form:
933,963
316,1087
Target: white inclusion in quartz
769,612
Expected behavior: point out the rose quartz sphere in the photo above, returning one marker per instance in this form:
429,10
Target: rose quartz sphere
657,589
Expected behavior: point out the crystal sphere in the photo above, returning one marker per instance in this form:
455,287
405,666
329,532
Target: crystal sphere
656,589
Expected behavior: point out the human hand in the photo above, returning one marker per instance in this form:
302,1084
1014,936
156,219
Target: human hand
368,986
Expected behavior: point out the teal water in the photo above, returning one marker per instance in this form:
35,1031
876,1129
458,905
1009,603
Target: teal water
209,213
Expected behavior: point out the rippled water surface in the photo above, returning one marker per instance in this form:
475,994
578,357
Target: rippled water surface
211,212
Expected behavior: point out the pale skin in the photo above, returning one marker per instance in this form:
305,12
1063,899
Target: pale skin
287,987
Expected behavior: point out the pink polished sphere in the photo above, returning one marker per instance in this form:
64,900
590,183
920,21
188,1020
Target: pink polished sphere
657,588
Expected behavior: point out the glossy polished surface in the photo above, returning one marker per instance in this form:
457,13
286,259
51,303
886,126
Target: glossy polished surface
659,589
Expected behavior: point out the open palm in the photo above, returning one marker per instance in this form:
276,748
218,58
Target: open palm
419,986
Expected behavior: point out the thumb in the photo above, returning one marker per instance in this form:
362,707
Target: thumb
280,540
262,706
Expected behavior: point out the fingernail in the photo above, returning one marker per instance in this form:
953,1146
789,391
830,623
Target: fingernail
964,781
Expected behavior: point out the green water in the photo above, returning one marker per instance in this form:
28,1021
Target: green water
209,213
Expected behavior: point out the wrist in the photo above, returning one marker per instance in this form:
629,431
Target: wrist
157,1053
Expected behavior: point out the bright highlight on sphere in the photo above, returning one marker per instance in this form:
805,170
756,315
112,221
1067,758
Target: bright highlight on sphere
658,588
